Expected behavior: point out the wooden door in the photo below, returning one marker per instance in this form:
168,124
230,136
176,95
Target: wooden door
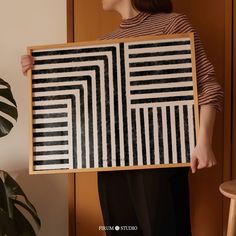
89,22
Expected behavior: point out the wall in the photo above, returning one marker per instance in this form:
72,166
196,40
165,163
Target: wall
24,23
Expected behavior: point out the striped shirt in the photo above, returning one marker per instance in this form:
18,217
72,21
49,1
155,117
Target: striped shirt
209,91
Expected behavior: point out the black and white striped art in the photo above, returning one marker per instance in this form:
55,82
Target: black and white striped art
123,104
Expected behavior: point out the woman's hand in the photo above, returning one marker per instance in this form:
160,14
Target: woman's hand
27,63
202,157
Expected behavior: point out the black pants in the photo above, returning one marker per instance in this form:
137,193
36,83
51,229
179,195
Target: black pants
154,200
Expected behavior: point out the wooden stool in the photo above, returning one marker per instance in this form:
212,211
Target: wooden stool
228,189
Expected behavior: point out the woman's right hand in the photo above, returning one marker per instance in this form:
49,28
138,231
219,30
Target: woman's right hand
27,63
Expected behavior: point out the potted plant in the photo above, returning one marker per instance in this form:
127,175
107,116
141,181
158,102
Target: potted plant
13,201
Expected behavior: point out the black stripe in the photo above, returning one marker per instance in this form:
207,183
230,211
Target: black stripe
53,106
82,127
155,54
116,107
169,134
90,120
143,138
59,88
108,119
48,153
162,90
99,119
124,102
69,60
50,125
74,119
186,133
61,79
161,72
161,81
72,51
50,115
194,127
151,136
178,138
134,136
51,162
161,99
50,134
74,130
63,70
51,143
160,135
162,44
159,63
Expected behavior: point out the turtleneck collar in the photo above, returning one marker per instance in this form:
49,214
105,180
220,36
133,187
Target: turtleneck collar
136,20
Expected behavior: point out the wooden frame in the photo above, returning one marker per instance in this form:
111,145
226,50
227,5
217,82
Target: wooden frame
34,50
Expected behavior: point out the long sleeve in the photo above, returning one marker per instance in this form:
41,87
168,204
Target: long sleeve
209,90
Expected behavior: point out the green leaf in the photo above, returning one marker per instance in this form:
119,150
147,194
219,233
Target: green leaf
8,109
4,83
15,189
23,227
7,226
7,106
5,126
33,214
15,196
6,93
3,198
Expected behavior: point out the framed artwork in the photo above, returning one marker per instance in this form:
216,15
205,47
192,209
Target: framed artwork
113,104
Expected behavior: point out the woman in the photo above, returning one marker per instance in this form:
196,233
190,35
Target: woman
155,202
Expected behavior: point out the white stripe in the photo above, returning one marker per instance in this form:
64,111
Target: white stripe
173,134
51,157
160,49
160,95
139,141
95,128
103,121
51,148
164,85
147,139
54,129
160,104
112,116
160,67
51,167
156,136
191,129
157,77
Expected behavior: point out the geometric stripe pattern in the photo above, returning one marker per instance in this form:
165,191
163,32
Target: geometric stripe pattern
113,105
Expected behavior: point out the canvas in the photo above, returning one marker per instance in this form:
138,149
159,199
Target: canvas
113,104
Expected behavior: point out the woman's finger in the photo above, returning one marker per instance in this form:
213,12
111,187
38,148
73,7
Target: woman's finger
194,164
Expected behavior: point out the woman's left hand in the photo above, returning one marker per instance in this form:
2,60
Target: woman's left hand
202,157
